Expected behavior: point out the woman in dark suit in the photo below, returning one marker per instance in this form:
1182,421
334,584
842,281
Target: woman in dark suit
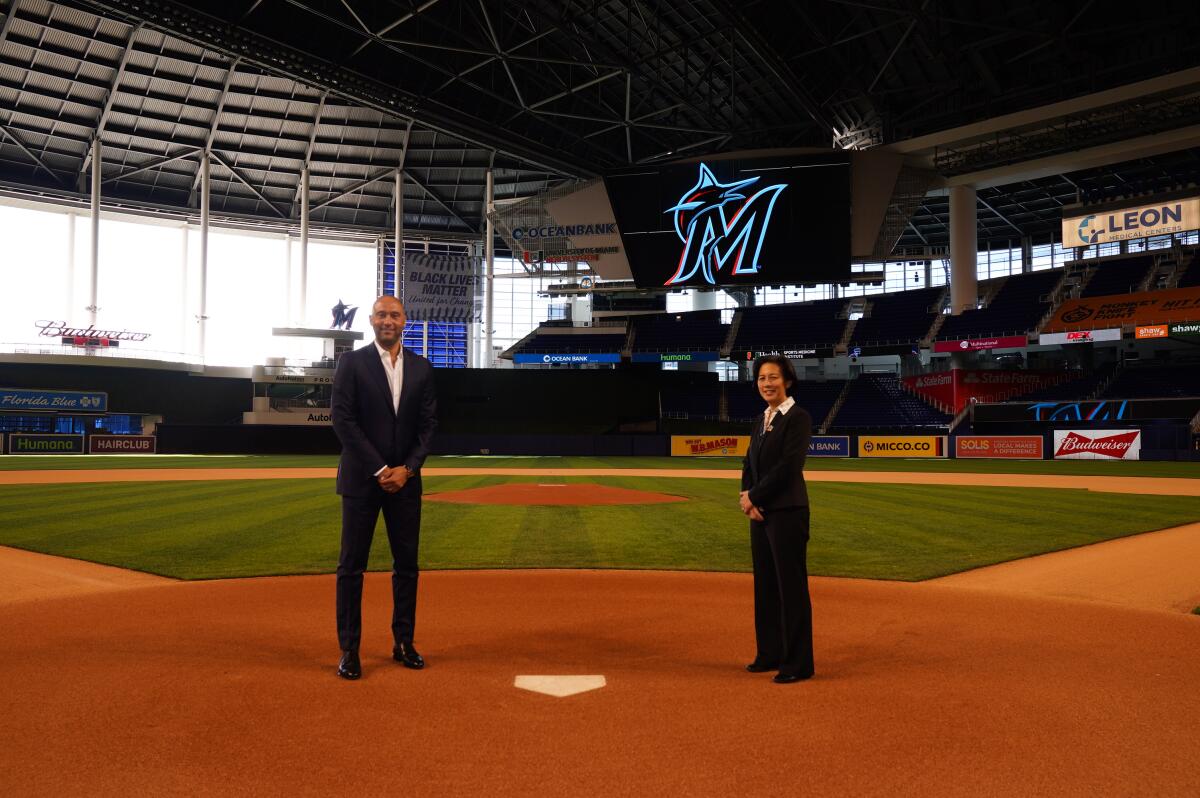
775,499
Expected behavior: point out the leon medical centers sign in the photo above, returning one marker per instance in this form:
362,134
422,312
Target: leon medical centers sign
1160,218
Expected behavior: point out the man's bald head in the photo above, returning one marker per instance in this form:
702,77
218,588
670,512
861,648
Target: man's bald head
388,319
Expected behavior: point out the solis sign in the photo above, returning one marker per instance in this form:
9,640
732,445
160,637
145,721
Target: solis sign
1105,444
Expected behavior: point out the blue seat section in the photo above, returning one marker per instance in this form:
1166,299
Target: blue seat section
878,400
552,343
1015,310
1081,386
1155,381
900,318
817,397
695,331
1118,276
792,326
697,402
1191,277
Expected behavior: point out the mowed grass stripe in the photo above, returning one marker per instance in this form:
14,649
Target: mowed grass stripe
936,466
201,530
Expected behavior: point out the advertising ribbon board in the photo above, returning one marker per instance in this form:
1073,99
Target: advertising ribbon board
1185,330
998,447
27,443
1143,308
980,344
829,446
675,357
1089,411
1151,331
1160,218
953,390
122,444
1081,336
583,357
902,446
709,445
53,401
1097,444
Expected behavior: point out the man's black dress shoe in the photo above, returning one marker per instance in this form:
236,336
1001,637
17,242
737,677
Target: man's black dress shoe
761,667
349,667
406,655
788,678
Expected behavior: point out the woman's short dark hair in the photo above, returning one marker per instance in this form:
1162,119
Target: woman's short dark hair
785,368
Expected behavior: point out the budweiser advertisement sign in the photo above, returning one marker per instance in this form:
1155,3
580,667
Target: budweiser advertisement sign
980,344
1104,444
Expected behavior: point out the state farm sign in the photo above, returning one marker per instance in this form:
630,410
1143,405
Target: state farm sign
1104,444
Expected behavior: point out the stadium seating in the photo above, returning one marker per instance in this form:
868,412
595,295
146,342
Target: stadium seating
878,400
1191,277
817,397
699,402
1155,381
791,326
1016,309
1083,386
697,331
552,343
1118,275
899,318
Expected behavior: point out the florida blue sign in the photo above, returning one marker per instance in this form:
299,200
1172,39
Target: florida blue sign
53,401
582,357
675,357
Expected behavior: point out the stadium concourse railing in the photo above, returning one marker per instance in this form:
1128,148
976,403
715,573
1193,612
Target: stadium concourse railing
130,353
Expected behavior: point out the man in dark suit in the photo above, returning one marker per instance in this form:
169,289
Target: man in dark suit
384,413
775,499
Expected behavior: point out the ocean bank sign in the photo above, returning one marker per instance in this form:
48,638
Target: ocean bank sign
564,231
1145,220
582,357
53,401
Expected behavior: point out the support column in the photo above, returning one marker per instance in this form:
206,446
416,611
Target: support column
302,299
964,246
93,305
205,202
398,252
489,257
70,314
183,292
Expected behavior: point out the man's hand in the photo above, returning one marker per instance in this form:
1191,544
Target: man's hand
756,515
744,502
393,479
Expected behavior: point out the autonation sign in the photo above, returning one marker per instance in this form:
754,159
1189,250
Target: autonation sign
564,231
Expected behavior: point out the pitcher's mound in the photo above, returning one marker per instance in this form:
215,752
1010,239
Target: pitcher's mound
533,493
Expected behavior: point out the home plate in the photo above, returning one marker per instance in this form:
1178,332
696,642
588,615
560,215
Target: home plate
559,686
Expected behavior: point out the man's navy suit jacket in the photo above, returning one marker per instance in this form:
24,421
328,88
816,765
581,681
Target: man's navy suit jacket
372,435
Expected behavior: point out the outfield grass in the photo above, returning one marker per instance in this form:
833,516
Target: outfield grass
1063,467
202,530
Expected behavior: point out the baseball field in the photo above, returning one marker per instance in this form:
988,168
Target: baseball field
981,627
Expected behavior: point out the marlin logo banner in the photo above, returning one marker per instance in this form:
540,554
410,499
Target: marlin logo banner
722,226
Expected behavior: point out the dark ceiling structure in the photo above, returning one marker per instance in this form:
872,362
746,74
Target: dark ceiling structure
550,90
